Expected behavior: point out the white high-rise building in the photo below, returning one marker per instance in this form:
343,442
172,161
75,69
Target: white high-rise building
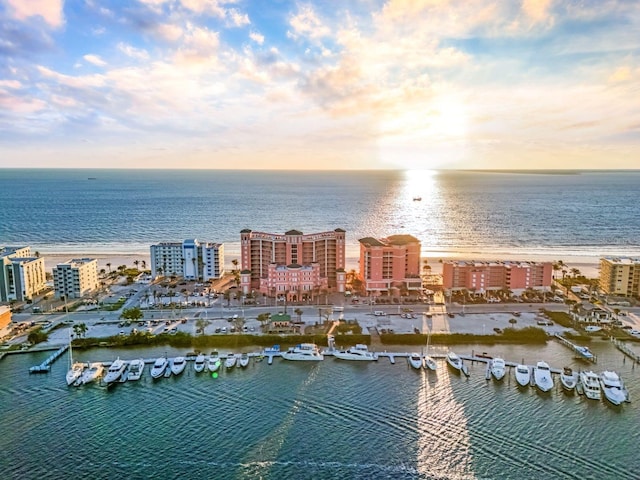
75,278
21,275
190,259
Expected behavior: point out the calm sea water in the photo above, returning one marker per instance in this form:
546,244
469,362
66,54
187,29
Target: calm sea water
560,215
323,421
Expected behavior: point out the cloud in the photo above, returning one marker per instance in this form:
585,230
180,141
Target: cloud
95,60
168,31
238,19
257,37
537,10
49,10
132,52
306,23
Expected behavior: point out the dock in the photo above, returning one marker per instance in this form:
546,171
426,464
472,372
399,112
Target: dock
626,350
45,366
581,352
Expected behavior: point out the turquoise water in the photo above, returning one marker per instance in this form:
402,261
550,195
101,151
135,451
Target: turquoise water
561,215
327,420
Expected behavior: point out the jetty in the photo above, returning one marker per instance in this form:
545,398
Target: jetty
625,349
45,366
581,352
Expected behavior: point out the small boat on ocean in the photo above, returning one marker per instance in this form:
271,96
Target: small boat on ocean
523,375
590,385
568,379
159,366
303,352
198,364
115,371
415,360
359,352
498,368
613,388
136,367
542,376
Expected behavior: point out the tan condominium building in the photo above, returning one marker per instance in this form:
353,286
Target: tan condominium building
22,274
483,276
75,278
390,265
293,264
620,276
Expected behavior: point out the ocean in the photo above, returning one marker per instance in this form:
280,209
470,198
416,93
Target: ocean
294,420
561,215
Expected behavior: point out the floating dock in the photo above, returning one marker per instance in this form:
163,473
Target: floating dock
582,352
626,350
45,366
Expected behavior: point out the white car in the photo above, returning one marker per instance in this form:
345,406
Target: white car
635,333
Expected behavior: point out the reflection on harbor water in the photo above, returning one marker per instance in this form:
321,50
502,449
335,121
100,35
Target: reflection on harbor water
326,420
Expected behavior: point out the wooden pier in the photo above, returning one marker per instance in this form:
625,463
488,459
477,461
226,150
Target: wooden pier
582,352
626,350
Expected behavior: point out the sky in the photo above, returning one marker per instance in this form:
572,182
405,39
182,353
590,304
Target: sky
351,84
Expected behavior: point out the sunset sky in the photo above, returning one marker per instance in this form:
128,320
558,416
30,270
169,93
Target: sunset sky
310,85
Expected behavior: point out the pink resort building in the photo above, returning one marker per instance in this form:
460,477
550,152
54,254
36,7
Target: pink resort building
482,276
294,265
390,265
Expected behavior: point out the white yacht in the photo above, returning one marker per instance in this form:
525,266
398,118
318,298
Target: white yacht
91,373
454,362
542,376
198,364
568,379
159,367
75,372
590,385
303,351
115,371
244,360
230,362
415,360
613,388
178,365
213,362
430,363
136,367
523,375
498,368
358,352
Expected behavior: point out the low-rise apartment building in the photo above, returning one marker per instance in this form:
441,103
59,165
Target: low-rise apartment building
480,277
620,276
22,274
75,278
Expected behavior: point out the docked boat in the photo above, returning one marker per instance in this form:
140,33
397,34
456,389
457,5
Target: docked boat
115,371
198,364
75,368
159,367
430,363
230,361
542,376
136,367
498,368
243,361
613,388
568,379
585,353
304,352
523,375
178,365
358,352
91,374
454,361
590,385
415,360
213,362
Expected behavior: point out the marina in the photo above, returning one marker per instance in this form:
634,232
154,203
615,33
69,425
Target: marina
581,352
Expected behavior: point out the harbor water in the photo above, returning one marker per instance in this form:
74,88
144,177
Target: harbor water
317,420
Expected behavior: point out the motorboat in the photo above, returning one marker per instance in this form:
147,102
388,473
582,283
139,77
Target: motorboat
455,362
585,352
497,368
590,385
243,361
523,375
90,374
75,368
115,371
613,388
304,352
568,379
415,360
542,376
358,352
159,366
136,367
230,361
213,362
430,363
198,364
178,365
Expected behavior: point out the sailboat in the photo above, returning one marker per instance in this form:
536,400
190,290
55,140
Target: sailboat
75,368
429,363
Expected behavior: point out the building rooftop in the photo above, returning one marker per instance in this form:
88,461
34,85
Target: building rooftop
293,232
371,242
622,260
495,263
402,239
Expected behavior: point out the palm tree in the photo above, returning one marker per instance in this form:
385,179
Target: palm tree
109,266
575,272
144,264
136,263
299,312
201,324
